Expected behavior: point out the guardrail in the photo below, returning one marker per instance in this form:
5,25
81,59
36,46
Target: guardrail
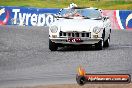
25,16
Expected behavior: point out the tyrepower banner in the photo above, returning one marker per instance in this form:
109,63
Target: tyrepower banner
25,16
120,19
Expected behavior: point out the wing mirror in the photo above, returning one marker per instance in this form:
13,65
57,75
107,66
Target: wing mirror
105,18
56,16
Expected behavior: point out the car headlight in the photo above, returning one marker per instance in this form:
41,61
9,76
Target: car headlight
54,29
96,30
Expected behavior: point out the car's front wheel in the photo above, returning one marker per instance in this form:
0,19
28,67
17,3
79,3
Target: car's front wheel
52,46
99,45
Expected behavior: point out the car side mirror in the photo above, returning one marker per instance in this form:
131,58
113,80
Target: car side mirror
105,18
56,15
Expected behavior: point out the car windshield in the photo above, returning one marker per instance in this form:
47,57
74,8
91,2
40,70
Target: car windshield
89,13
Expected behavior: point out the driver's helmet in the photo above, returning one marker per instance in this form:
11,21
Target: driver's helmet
74,11
72,5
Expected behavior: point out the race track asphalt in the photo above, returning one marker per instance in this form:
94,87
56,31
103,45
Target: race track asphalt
26,60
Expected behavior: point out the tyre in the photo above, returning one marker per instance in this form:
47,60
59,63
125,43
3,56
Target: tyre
52,46
107,42
81,80
99,45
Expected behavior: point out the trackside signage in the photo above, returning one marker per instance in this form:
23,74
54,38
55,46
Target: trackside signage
29,16
26,16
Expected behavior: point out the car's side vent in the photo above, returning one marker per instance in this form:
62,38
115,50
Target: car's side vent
74,34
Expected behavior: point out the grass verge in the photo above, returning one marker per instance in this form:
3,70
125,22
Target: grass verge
102,4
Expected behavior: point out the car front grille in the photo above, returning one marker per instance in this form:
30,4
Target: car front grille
74,34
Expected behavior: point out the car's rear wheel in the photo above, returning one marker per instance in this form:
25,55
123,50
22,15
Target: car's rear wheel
52,46
107,42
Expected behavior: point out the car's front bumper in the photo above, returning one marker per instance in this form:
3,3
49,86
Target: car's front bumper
84,41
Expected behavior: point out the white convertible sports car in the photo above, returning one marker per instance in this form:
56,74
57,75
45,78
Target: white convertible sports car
77,26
